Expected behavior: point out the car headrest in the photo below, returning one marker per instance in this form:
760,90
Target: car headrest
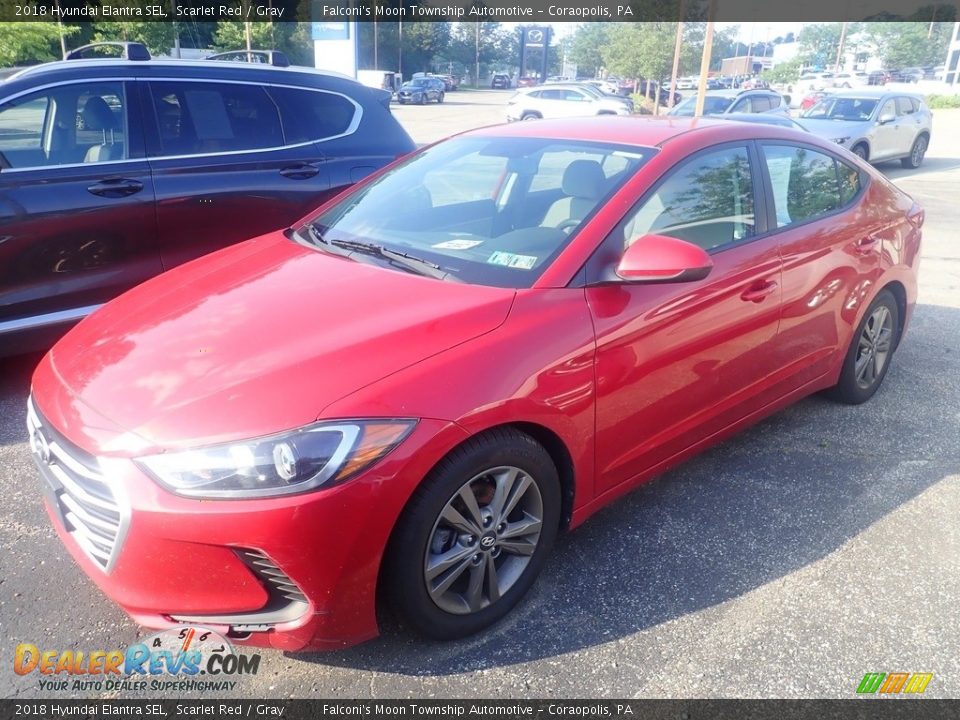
583,179
97,115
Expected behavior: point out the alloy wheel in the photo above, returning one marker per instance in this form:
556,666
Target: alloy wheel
874,347
483,540
919,150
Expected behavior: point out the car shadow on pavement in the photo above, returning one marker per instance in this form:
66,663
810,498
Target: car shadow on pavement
781,496
894,170
15,374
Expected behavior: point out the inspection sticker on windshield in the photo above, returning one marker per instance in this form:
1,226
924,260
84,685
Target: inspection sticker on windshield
457,244
524,262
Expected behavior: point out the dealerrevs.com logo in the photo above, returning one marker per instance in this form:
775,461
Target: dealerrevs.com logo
182,658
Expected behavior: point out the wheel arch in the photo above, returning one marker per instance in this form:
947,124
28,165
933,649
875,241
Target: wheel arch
899,293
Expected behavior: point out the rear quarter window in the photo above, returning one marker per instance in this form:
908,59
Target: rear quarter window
308,115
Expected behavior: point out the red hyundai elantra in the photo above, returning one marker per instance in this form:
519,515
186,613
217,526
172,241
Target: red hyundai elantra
407,396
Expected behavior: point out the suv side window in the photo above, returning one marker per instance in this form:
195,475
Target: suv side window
65,125
707,201
312,115
743,105
906,106
805,183
888,108
197,118
762,103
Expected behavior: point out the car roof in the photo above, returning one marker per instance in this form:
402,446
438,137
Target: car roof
133,66
874,94
637,131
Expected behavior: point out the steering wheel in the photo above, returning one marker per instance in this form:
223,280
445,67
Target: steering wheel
567,225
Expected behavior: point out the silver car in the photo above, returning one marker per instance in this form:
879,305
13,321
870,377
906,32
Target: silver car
875,125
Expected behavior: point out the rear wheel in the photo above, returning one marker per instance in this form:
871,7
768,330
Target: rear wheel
917,153
422,100
870,351
475,535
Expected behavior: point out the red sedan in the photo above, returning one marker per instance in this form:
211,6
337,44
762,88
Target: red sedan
405,397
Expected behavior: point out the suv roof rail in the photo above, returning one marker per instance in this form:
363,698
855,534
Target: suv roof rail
129,50
277,58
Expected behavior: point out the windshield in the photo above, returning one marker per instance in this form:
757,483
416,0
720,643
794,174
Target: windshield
485,210
842,108
712,105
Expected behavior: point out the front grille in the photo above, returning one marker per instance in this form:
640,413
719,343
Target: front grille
87,505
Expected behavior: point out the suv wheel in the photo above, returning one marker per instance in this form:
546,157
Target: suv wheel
917,153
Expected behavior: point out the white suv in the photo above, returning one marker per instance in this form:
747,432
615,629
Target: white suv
562,101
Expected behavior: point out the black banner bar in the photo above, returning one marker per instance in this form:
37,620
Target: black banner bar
860,709
531,11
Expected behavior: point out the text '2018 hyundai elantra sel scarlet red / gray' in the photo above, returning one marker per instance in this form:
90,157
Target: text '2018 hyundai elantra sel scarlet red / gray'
405,397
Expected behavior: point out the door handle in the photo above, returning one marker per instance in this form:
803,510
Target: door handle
115,187
759,291
300,171
866,245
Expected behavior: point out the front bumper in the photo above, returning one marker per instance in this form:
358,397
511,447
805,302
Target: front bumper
297,572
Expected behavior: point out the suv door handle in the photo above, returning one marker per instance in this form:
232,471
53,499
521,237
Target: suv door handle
759,291
300,171
115,187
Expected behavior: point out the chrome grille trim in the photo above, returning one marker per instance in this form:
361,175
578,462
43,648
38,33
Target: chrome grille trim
92,510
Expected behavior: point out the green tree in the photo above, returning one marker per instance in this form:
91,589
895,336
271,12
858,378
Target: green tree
784,73
905,44
23,43
291,38
819,43
157,36
586,47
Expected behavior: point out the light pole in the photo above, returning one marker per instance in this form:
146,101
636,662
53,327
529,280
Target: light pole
705,59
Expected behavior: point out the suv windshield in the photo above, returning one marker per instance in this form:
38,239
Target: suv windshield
483,210
842,108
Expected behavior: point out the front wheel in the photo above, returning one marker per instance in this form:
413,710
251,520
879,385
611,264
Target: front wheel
917,153
440,98
475,535
870,351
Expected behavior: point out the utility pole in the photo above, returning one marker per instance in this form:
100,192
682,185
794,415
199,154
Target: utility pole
676,59
176,30
63,39
843,35
476,57
400,48
705,59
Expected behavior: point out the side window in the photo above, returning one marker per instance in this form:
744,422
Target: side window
761,103
708,201
65,125
553,95
804,183
312,115
906,106
849,182
743,105
534,94
201,118
888,108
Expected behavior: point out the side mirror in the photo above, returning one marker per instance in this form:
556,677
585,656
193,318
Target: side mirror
887,118
658,258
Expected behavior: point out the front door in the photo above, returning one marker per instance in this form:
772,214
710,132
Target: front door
77,224
677,362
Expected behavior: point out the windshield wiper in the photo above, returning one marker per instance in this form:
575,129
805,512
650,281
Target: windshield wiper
404,260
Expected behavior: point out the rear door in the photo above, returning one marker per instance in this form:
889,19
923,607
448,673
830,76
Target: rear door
77,224
233,160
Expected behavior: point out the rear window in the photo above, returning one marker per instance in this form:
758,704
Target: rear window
202,118
312,115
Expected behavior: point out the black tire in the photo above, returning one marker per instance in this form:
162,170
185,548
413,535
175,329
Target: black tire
422,100
861,151
405,561
917,152
440,98
849,389
530,116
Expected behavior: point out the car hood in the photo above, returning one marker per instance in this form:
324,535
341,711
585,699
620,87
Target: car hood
831,129
254,339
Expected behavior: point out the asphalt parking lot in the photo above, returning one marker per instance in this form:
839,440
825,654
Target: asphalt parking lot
820,545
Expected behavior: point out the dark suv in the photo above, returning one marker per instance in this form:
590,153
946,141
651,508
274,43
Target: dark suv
112,171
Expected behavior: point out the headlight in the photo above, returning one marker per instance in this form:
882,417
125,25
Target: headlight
292,462
841,140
